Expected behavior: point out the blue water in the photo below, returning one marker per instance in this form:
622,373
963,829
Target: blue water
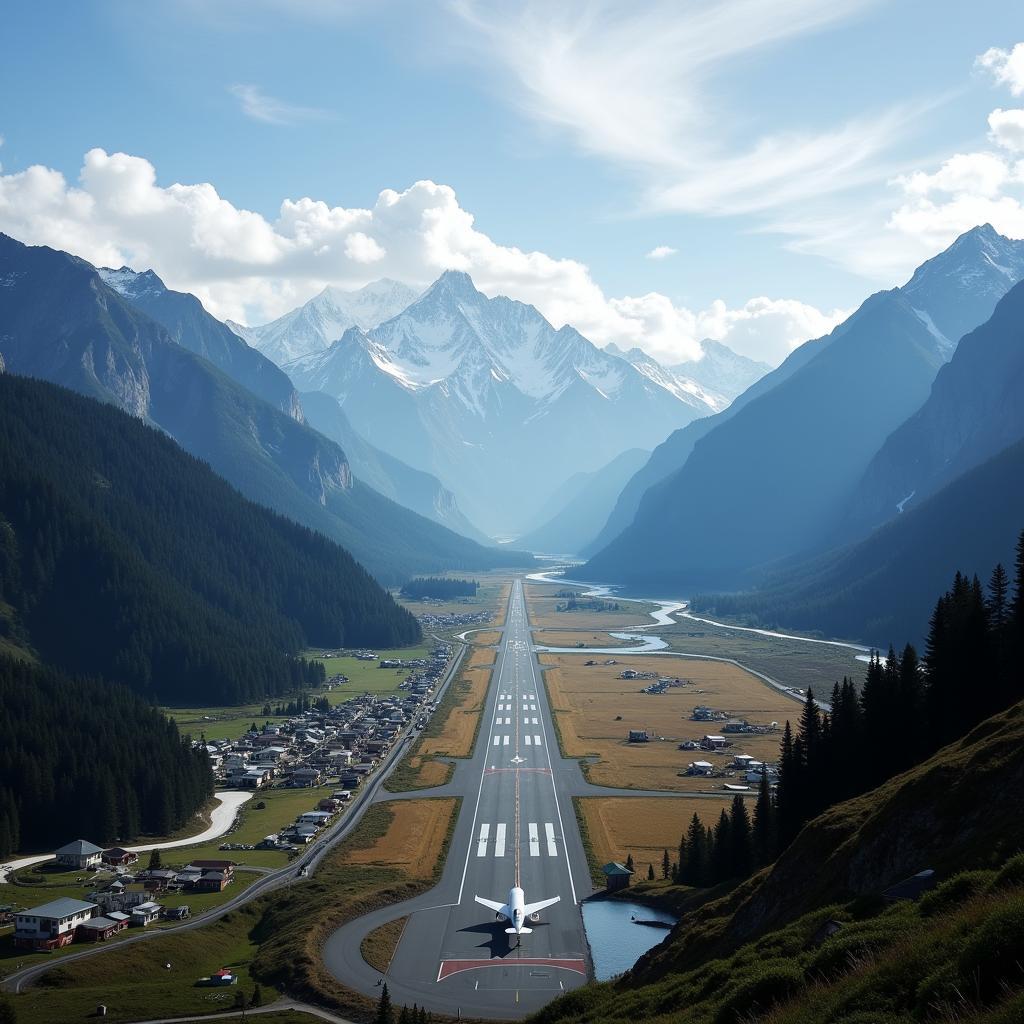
616,942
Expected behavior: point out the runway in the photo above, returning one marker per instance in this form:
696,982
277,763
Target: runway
516,826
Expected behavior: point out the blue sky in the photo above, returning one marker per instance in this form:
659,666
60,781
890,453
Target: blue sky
773,145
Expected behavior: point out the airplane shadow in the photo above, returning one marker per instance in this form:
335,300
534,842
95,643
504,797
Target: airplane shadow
498,944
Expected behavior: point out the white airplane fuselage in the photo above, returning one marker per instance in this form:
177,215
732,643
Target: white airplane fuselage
516,910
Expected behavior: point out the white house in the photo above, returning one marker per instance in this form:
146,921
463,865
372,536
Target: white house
51,925
700,768
145,913
79,854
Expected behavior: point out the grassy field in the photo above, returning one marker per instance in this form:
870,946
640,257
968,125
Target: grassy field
492,596
275,939
642,826
412,838
570,638
485,638
542,603
378,948
594,711
451,730
366,676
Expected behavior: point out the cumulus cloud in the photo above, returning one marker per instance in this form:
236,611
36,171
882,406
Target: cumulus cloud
258,106
252,269
661,252
1006,129
1005,66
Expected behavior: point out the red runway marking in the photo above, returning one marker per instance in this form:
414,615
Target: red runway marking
450,967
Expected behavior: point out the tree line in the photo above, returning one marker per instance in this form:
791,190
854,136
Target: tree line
906,710
125,558
87,759
439,587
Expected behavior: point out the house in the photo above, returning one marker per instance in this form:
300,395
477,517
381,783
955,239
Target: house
304,778
177,913
702,713
157,879
617,876
330,805
80,854
318,818
714,743
212,881
118,857
99,929
51,925
216,865
270,755
700,768
628,673
638,736
255,778
146,913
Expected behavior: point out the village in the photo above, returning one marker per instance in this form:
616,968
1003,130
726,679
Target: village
338,746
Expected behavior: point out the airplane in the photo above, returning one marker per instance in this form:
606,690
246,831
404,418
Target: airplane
516,911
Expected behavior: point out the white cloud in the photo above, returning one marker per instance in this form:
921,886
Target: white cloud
979,174
661,252
1005,66
251,269
259,106
1006,129
632,83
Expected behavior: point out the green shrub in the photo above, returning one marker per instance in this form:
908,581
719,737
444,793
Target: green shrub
940,994
1011,873
844,950
772,983
994,956
954,892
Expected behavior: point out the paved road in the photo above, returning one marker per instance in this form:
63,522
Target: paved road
516,823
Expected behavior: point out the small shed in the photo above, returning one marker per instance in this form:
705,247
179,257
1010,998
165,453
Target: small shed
638,736
617,876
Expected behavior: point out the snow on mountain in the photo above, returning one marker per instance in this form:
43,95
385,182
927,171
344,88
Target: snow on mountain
325,318
490,397
722,371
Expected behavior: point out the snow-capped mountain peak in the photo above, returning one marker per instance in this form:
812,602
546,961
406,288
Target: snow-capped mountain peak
130,283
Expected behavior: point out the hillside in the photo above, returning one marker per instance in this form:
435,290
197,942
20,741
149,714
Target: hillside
974,411
65,325
758,949
881,589
794,453
123,557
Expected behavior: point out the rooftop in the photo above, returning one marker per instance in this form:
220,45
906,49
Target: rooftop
64,907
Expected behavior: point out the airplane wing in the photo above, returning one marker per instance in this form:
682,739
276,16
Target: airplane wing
532,908
498,908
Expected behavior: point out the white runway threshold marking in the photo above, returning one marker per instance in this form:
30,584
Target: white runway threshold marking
481,846
536,740
499,841
549,829
497,740
528,741
534,840
504,741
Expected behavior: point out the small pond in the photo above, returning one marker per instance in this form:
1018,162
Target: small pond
616,940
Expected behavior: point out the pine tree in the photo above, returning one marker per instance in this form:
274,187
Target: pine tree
998,597
385,1011
629,862
154,860
741,848
257,996
666,865
764,833
403,1015
650,872
721,862
790,812
693,868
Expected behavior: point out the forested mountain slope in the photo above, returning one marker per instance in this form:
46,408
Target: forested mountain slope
62,323
125,558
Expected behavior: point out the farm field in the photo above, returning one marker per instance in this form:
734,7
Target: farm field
367,676
644,827
412,838
572,637
594,711
541,602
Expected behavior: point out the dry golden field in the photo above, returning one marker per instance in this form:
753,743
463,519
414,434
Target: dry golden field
541,604
485,638
594,711
413,840
643,826
570,638
378,948
456,736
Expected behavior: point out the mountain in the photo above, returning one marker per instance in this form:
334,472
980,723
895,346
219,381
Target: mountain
721,370
974,410
189,324
62,323
771,476
587,510
412,488
882,588
124,558
489,397
325,318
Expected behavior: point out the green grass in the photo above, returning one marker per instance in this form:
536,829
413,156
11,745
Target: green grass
366,676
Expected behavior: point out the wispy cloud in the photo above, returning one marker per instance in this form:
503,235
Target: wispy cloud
257,105
661,252
631,83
